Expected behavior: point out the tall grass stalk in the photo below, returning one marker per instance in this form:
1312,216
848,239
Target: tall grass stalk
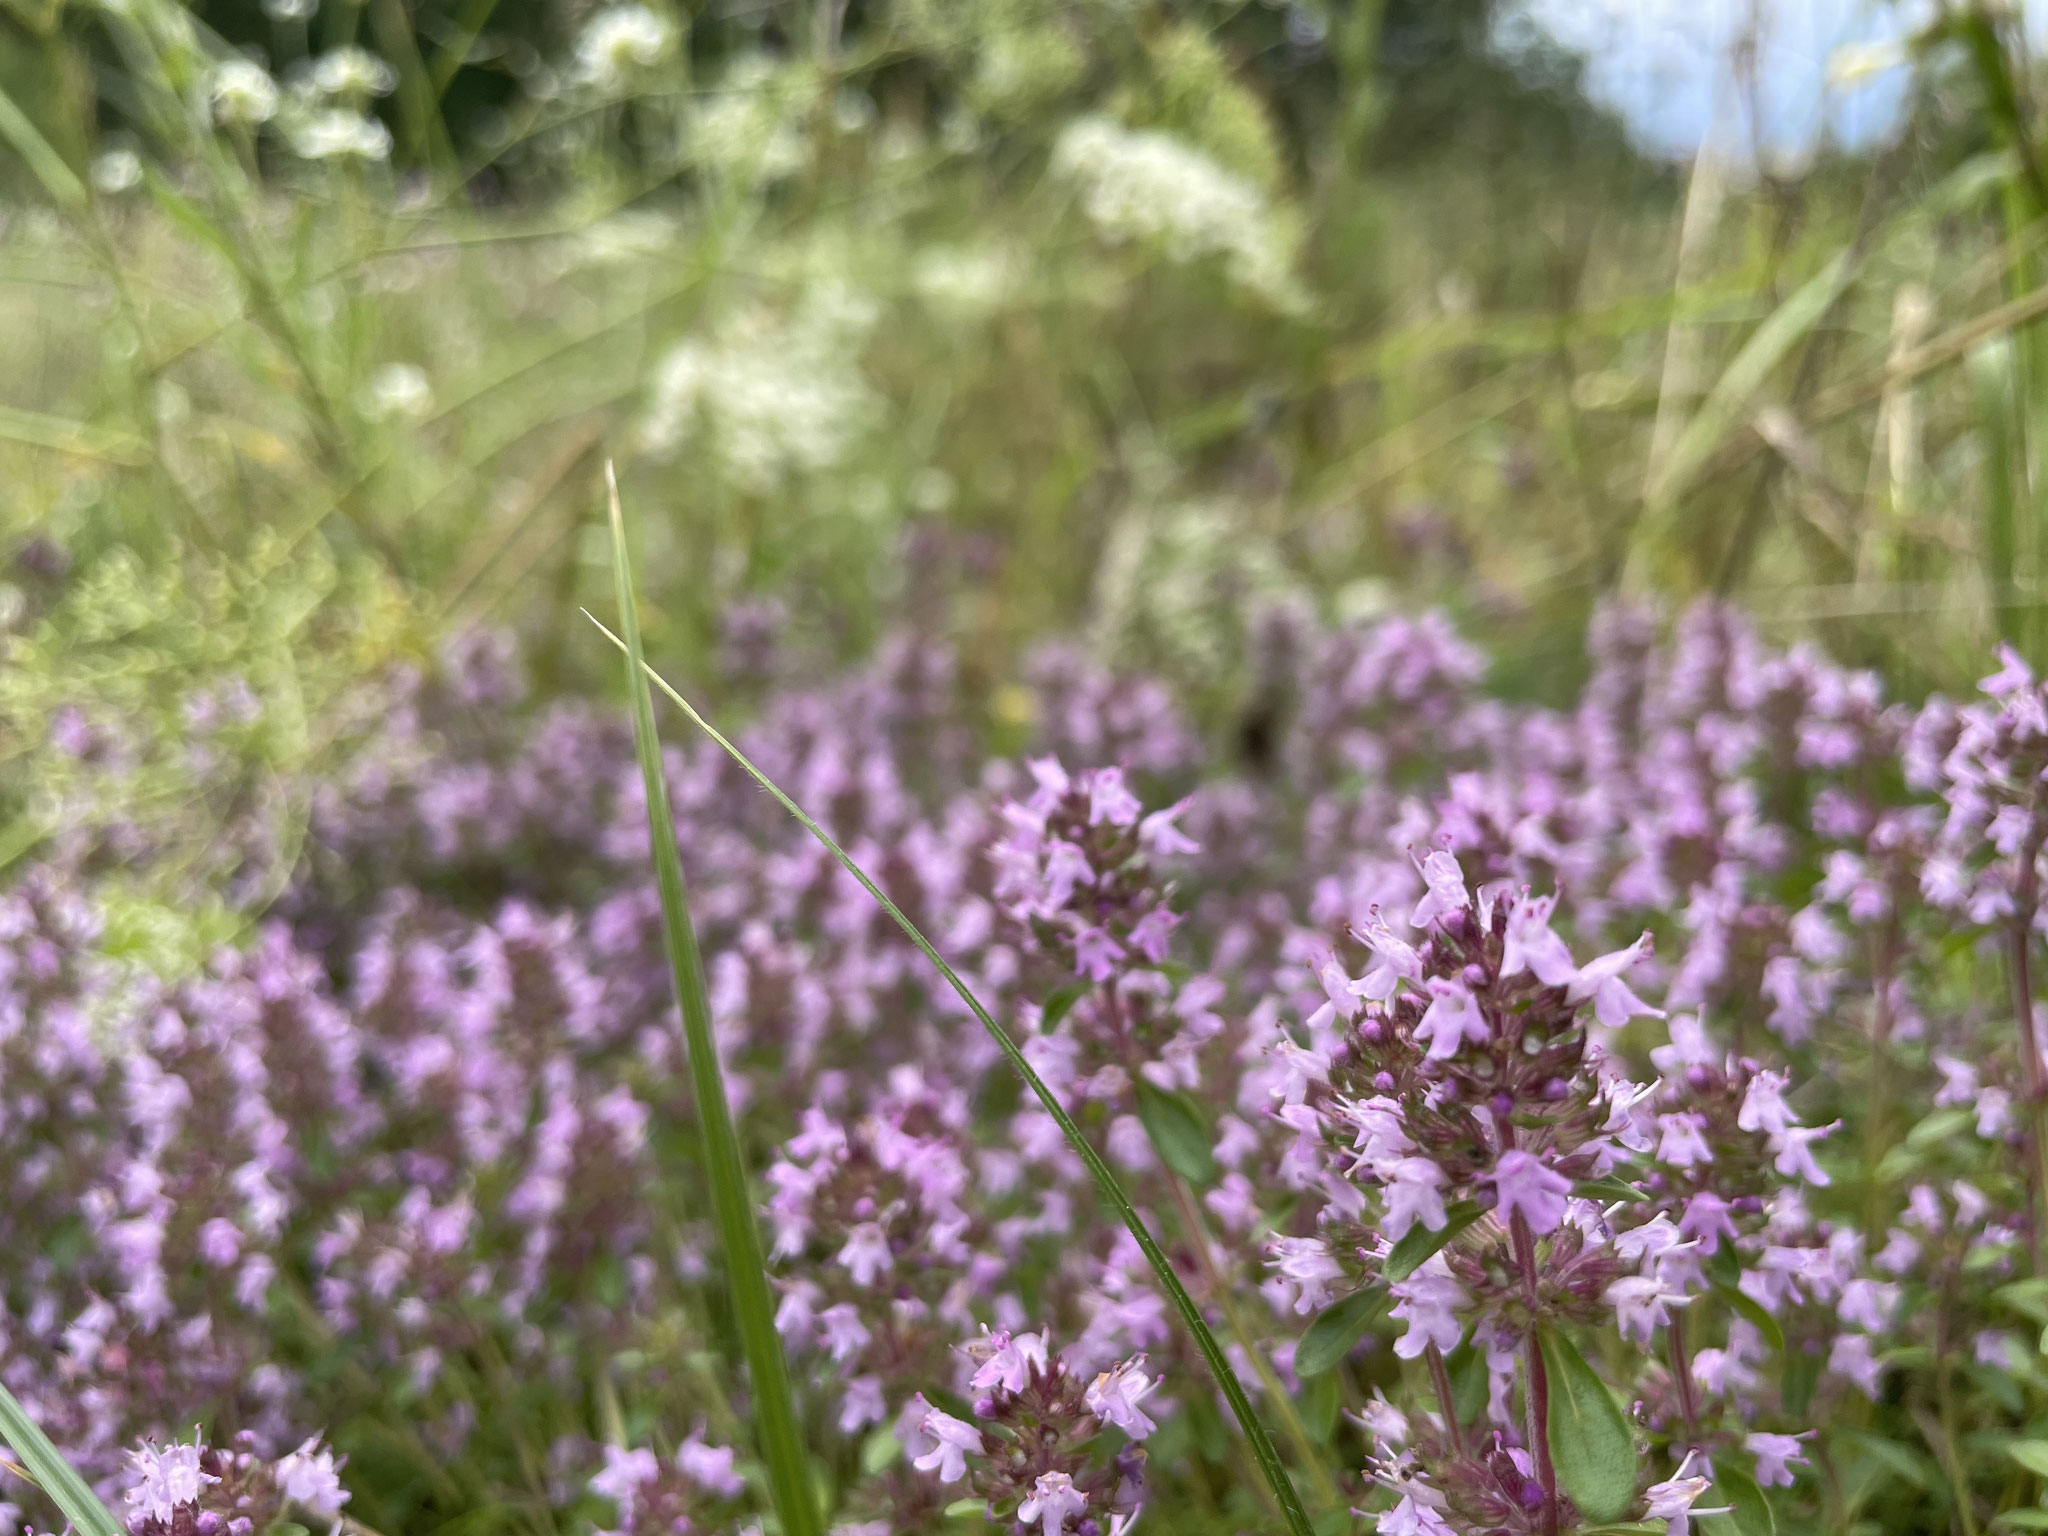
1113,1192
746,1271
52,1473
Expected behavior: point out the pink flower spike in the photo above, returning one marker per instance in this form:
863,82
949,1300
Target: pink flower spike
1446,891
1109,800
1672,1501
1113,1397
1007,1360
1531,946
1775,1455
1052,1499
1452,1018
951,1440
1613,1003
1414,1192
1524,1184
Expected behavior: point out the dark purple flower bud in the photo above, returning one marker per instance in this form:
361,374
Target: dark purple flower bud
1503,1103
984,1407
1383,1082
1474,976
207,1523
1557,1090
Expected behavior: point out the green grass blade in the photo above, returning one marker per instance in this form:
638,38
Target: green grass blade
52,1473
781,1445
1106,1181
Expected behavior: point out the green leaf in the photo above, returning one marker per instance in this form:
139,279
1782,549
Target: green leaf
1058,1003
2029,1298
1179,1131
52,1473
1471,1382
1418,1242
1746,1307
2021,1520
1112,1191
1591,1443
781,1442
879,1451
2031,1454
1336,1329
1319,1401
1749,1508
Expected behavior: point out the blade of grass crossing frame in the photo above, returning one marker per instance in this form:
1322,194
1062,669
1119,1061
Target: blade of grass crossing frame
52,1473
1105,1181
775,1424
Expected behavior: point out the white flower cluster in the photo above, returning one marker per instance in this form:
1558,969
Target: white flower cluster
1150,186
769,396
618,43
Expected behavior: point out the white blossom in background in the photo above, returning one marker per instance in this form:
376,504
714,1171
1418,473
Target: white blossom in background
769,397
746,126
351,73
398,390
620,41
242,93
965,282
335,133
1150,186
117,171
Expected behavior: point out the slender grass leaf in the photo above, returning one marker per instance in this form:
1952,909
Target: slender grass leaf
775,1419
1728,401
2021,1520
52,1473
1179,1133
1106,1182
20,135
1591,1444
1418,1242
1747,1308
1336,1328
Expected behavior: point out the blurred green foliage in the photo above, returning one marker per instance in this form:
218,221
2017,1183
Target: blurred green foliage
1004,318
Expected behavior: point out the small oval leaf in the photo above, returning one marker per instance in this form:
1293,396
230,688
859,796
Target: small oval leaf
1340,1325
1591,1444
1745,1306
1418,1243
1179,1132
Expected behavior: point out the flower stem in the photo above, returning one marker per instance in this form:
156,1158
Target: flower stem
1681,1375
2026,899
1440,1378
1538,1395
1276,1391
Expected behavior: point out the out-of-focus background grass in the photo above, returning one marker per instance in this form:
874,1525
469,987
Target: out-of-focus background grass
1131,318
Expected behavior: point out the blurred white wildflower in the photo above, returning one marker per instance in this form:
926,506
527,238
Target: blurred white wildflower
769,397
398,390
965,281
117,171
290,10
352,73
744,127
1146,185
243,93
335,132
620,41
